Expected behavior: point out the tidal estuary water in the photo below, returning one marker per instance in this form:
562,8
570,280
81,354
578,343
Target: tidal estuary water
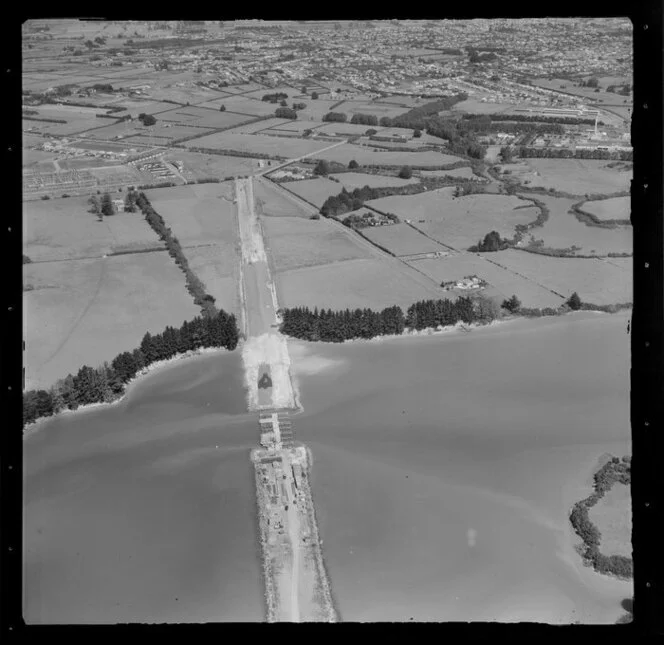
444,468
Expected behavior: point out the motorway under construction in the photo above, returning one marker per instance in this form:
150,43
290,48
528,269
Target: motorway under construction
296,584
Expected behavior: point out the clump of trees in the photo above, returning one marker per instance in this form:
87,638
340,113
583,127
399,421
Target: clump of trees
299,106
338,117
512,305
285,113
364,119
194,285
107,383
614,471
352,164
337,326
275,98
314,96
146,119
492,242
406,172
322,168
574,302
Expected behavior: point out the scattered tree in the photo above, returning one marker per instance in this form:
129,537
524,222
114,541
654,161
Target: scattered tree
352,164
322,168
574,302
417,134
314,95
406,172
107,207
222,108
512,304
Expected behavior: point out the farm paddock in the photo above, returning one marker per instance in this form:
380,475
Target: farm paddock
373,283
85,312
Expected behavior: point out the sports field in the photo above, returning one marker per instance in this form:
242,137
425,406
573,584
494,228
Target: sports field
458,222
296,242
595,280
84,312
374,283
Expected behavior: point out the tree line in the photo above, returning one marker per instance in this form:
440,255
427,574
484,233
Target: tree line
285,113
194,285
566,153
107,383
336,326
274,98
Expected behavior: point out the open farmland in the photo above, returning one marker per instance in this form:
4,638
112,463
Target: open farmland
376,283
274,201
84,312
475,106
296,242
368,107
197,165
242,105
612,515
458,222
457,173
315,191
579,176
504,282
352,180
346,129
367,156
203,118
63,229
290,125
595,280
608,209
217,265
197,214
562,230
401,239
258,144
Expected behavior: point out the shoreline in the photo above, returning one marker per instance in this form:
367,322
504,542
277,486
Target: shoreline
35,426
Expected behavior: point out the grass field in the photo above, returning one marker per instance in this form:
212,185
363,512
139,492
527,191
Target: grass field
367,156
562,230
351,180
290,125
504,282
217,266
401,239
275,202
612,515
368,107
316,190
256,143
84,312
376,283
458,222
349,129
460,173
579,176
296,242
475,106
63,229
197,165
203,117
242,105
613,208
200,215
595,280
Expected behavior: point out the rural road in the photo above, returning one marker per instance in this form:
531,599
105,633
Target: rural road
290,161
